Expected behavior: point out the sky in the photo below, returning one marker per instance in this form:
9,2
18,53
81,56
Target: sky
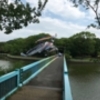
60,17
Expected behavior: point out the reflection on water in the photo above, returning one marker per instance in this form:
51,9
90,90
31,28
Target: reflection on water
5,65
84,80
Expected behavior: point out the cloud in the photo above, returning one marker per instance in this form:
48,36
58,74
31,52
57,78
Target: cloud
9,1
48,25
61,8
53,25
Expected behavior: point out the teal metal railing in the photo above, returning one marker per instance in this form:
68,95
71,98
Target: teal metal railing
10,82
30,71
67,90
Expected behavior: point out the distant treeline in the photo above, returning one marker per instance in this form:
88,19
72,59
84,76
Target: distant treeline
19,45
83,44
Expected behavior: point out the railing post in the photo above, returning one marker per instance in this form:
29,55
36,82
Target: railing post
21,77
10,82
67,90
18,77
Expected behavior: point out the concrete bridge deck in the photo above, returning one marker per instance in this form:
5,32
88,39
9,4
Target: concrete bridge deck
45,86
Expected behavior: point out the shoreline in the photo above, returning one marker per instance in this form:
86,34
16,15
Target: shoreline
89,60
18,57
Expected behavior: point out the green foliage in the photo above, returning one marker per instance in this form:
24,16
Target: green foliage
68,56
97,48
17,46
14,46
84,35
63,44
94,5
31,41
83,44
16,15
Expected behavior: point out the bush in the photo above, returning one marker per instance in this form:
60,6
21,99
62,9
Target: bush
68,56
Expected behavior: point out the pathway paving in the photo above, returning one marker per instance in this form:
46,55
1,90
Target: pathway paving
45,86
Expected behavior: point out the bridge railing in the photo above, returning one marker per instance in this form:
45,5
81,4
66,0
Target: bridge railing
10,82
30,71
67,90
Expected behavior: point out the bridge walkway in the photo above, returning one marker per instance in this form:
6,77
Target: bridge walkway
45,86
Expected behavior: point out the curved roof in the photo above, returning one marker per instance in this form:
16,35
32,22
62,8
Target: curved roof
43,39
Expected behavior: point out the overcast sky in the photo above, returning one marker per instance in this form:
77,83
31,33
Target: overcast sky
59,16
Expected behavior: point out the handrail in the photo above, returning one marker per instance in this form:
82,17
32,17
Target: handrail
10,82
35,63
67,90
65,66
31,70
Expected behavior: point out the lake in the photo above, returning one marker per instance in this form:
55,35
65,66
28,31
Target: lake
84,80
7,64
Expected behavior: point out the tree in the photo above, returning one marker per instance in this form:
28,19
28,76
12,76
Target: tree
19,45
94,5
16,15
85,35
83,44
97,48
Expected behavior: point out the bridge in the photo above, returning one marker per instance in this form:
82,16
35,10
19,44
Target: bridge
46,79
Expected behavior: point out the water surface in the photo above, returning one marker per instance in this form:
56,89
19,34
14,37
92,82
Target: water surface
84,80
7,65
